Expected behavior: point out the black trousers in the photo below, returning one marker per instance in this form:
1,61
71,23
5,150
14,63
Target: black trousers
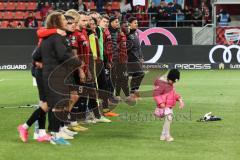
54,122
136,71
119,78
88,101
103,84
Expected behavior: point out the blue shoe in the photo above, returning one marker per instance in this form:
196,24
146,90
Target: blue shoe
59,141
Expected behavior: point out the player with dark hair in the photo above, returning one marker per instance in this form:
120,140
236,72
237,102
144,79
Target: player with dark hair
135,57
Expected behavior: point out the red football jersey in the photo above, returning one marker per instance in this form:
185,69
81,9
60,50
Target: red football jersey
80,42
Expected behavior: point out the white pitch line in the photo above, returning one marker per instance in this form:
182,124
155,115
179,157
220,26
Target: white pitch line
20,79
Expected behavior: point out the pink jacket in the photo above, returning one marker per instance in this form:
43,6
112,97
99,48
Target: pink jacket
165,92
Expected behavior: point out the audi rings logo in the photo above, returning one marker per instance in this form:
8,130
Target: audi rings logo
227,53
143,36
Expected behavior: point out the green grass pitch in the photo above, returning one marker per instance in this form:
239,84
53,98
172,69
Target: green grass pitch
135,134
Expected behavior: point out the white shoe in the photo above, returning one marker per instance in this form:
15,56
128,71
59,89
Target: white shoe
162,138
75,123
68,132
35,136
90,121
63,135
118,98
169,139
103,120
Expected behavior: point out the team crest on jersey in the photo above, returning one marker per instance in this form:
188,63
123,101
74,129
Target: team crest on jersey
73,39
68,42
131,37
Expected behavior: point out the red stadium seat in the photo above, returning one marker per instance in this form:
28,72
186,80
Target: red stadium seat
15,23
2,6
26,14
21,6
19,15
38,15
1,15
4,24
10,6
116,5
8,15
31,6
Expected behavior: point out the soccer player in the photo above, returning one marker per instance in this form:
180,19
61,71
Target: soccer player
104,78
82,44
78,109
135,57
119,74
94,59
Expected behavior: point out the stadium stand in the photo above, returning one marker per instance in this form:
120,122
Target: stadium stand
13,10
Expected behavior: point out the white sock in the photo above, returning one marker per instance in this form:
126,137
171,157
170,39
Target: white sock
42,132
25,126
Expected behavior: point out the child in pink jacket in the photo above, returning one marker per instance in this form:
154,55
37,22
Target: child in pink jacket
165,97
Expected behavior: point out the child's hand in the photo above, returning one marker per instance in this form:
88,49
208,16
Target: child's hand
162,105
181,104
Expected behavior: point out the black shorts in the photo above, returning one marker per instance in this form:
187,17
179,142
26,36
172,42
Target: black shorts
39,80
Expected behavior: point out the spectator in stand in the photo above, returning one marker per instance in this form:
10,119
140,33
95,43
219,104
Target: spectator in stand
19,25
156,2
63,5
176,5
197,17
171,11
206,15
40,5
109,10
80,6
188,16
54,5
152,11
163,3
141,16
223,18
125,7
45,9
31,21
180,17
99,4
162,15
